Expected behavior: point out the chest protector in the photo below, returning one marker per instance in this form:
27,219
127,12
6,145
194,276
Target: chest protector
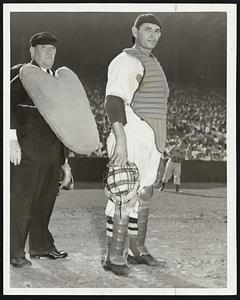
63,103
150,99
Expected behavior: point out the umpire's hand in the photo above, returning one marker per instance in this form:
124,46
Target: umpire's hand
15,152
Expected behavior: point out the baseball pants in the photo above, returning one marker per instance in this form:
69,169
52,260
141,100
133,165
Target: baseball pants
172,168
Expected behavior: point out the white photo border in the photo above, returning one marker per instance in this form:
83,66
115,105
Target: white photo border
230,9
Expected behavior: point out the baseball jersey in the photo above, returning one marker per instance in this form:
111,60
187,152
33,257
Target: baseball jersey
177,153
124,74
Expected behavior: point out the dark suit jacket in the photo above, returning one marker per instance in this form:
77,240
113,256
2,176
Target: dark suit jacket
37,141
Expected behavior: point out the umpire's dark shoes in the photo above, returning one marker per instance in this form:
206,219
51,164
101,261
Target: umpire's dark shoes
120,270
20,262
146,259
51,254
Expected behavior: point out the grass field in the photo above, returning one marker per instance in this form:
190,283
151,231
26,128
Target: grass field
188,230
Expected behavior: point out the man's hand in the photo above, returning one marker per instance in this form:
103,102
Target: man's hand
120,155
67,181
15,152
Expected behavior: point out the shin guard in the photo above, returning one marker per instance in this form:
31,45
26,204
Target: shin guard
137,243
116,243
143,213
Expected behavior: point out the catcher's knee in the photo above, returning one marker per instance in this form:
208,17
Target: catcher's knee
145,195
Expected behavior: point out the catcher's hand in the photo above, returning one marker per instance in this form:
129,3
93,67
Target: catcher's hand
67,182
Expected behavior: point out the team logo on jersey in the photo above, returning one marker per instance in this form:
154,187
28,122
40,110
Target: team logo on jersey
139,78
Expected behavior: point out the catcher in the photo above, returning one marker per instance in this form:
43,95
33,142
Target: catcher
131,146
150,101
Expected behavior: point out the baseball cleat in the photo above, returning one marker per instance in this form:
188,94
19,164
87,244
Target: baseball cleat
120,270
146,259
162,187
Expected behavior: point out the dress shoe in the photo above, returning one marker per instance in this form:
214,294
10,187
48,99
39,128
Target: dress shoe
146,259
20,262
120,270
51,254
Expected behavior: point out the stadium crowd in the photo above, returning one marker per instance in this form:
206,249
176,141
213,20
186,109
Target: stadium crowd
196,114
199,116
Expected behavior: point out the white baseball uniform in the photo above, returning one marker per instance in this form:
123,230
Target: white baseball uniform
124,75
173,166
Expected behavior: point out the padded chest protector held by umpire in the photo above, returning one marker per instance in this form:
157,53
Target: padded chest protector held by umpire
63,103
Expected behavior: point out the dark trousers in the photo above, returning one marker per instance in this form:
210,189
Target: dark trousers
34,188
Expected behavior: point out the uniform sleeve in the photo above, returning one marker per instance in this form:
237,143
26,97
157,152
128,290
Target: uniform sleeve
171,150
122,77
115,109
183,154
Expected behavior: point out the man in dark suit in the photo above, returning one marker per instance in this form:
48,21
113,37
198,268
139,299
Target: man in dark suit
36,156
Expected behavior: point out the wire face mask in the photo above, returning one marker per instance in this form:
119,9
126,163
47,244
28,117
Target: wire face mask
121,182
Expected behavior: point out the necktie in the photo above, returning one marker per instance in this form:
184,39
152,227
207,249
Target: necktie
48,71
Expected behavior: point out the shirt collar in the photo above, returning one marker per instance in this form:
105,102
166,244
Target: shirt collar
42,68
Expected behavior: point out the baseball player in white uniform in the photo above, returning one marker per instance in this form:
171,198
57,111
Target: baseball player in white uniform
176,155
132,139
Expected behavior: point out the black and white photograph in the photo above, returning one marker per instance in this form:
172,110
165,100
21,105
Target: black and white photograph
119,149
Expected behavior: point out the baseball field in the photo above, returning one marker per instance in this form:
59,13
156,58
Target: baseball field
188,230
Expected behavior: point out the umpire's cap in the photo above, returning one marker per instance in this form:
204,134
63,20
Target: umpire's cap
43,38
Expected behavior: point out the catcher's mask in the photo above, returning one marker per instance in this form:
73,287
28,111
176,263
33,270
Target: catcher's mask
121,182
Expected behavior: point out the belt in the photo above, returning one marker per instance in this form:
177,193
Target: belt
25,105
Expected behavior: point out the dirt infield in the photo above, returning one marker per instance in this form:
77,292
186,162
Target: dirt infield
188,230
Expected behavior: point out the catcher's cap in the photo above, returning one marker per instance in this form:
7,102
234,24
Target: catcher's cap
43,38
147,18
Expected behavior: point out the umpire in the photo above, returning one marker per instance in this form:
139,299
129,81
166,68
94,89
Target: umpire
36,157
